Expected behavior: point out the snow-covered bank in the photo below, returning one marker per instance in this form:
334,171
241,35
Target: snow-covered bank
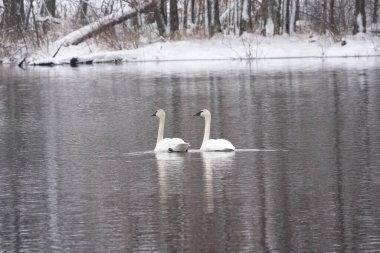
259,67
220,48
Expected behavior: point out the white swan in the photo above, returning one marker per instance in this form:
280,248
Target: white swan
167,144
213,144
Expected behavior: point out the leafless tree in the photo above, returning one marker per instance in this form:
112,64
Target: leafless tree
14,15
83,6
332,17
159,17
217,25
174,21
359,17
375,11
185,13
192,11
51,7
246,18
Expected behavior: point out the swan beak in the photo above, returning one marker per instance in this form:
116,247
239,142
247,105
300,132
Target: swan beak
198,114
154,114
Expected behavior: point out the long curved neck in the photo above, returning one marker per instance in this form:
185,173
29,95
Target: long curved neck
160,134
206,135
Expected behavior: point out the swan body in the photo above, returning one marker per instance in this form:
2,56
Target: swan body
171,145
209,145
217,145
167,144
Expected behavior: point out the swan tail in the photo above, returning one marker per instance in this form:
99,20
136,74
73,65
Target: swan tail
218,150
227,150
181,147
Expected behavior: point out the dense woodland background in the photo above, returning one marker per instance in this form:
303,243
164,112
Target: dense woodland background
27,25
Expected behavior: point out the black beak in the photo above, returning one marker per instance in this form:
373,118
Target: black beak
154,114
198,113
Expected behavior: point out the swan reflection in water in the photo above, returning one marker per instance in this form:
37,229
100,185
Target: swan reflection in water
214,162
172,162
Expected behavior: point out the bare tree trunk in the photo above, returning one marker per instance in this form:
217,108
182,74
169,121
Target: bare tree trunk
28,14
298,10
83,6
236,18
283,20
285,16
276,15
357,12
331,18
47,8
217,25
36,27
245,19
292,22
375,15
324,16
364,16
287,10
164,11
174,22
50,6
209,18
360,17
267,18
193,11
159,17
185,10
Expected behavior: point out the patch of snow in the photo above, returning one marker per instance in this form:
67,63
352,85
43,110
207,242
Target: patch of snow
251,46
302,23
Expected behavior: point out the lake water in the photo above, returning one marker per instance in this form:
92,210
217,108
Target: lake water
77,171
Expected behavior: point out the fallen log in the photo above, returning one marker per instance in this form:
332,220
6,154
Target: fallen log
90,30
115,57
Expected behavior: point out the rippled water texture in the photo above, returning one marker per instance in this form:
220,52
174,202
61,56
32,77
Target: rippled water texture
77,171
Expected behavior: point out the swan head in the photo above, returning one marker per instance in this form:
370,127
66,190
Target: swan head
159,114
203,113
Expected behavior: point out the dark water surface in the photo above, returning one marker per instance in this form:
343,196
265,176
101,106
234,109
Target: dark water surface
77,173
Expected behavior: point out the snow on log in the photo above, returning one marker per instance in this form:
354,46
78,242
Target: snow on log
90,30
83,59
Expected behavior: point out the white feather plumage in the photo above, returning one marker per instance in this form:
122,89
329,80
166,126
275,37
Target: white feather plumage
208,144
167,144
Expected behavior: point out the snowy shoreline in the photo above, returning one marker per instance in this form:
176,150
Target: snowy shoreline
247,47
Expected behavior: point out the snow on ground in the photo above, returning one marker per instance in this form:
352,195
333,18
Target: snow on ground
221,48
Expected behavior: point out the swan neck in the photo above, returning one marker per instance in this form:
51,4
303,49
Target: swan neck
206,136
160,134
